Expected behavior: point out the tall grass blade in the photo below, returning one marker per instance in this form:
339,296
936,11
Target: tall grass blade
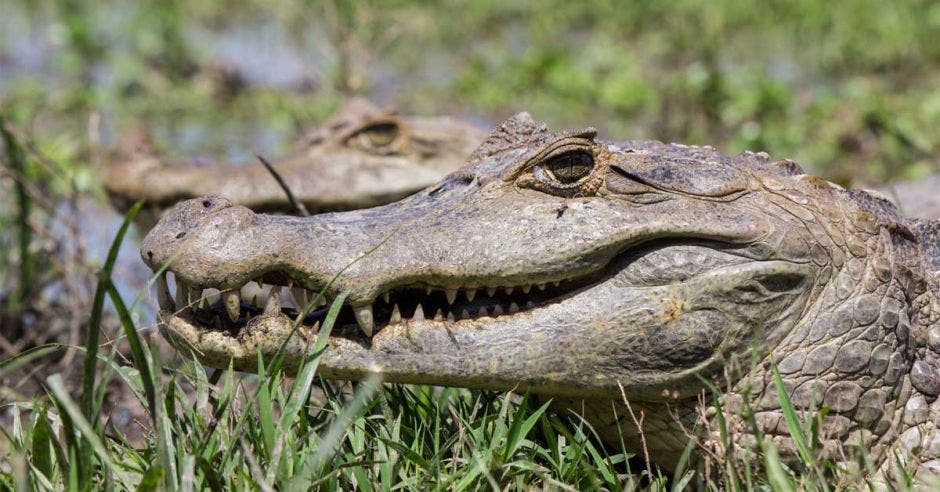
42,444
82,425
94,324
139,350
18,165
792,420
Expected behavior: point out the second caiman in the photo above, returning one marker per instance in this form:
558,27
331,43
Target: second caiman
361,157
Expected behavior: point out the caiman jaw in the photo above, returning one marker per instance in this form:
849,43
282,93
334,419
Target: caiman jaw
231,310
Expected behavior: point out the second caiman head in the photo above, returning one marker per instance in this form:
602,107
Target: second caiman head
361,157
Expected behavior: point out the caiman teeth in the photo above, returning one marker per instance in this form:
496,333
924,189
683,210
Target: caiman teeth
364,318
232,300
300,297
163,294
273,306
230,311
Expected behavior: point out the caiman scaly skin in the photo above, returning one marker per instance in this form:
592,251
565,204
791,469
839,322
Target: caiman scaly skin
577,269
361,157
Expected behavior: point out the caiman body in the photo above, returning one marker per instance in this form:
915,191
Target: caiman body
361,157
590,272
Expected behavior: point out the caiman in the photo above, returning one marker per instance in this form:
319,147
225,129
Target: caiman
361,157
593,273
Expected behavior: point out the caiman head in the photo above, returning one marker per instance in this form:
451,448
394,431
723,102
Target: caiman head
582,271
361,157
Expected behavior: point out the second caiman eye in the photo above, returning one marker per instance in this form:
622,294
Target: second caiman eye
567,170
377,136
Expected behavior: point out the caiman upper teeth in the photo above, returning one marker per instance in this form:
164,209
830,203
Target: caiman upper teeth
273,306
470,293
163,294
509,290
540,286
526,289
490,291
232,300
386,297
451,295
364,318
300,297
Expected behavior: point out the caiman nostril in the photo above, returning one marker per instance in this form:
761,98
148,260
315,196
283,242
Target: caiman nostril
180,235
206,203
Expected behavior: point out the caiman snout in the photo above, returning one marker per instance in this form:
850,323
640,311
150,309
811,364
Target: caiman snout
192,235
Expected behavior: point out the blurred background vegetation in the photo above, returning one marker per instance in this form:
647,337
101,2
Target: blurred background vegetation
849,89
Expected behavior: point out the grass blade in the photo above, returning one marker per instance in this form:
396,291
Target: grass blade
792,420
94,324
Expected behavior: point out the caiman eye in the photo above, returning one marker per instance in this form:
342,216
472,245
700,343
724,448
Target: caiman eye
377,136
566,170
